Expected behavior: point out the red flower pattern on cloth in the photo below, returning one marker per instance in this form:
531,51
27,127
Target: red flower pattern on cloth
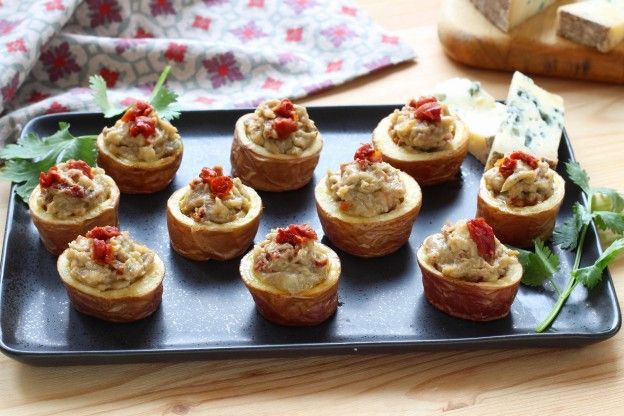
56,107
16,46
223,69
338,34
393,40
7,26
256,3
161,7
37,96
102,12
175,52
248,32
142,34
201,22
272,84
349,11
294,34
109,76
300,6
54,5
334,66
59,62
9,90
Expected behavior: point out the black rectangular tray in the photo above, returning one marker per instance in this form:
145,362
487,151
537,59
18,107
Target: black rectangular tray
206,310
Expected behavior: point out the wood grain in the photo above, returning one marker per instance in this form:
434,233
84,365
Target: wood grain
533,47
588,380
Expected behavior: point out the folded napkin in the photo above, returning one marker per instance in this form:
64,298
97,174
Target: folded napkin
223,53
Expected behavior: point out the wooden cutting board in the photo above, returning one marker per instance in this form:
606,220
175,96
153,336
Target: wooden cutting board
533,47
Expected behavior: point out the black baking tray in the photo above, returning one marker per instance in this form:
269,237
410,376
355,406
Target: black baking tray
206,310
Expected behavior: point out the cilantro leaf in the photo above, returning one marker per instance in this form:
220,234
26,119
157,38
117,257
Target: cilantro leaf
592,275
163,100
607,220
98,86
25,174
566,234
538,266
578,176
607,199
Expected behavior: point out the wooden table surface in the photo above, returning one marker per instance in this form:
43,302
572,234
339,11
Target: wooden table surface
573,381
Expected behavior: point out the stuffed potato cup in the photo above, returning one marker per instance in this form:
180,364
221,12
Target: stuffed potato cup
368,208
276,148
141,152
109,276
468,273
520,198
292,278
214,217
72,198
423,140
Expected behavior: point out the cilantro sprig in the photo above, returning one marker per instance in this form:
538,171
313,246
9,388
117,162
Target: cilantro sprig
605,209
162,99
31,155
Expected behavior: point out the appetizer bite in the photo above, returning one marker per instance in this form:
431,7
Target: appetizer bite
142,151
276,148
468,273
71,198
110,276
213,217
520,198
368,208
292,278
423,140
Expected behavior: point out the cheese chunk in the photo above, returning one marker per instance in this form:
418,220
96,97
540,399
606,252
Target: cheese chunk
507,14
477,109
595,23
533,124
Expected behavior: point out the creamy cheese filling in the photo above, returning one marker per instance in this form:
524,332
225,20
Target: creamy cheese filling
366,189
76,194
524,187
163,143
260,130
292,268
204,207
453,253
413,134
131,261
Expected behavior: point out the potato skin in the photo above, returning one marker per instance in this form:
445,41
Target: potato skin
480,301
428,168
57,234
308,308
519,226
368,237
108,305
198,242
265,171
138,177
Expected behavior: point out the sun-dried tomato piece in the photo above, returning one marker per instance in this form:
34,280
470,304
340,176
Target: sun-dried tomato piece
207,174
76,191
221,186
102,252
285,108
525,157
422,100
80,165
284,127
344,206
367,152
507,167
483,236
295,234
50,178
103,233
431,111
143,125
140,108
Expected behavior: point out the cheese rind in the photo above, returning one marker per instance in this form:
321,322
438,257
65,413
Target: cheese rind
595,23
477,109
507,14
533,124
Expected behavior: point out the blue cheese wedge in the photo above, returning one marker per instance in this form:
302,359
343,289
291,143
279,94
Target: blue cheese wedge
595,23
533,123
507,14
477,109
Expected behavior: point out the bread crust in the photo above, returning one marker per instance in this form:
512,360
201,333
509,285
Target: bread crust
56,234
265,171
428,168
369,237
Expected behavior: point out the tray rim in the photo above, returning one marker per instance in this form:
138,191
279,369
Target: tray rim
63,357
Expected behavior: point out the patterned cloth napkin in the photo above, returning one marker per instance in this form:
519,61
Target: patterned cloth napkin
223,53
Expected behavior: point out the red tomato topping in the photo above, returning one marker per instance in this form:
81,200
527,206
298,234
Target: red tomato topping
483,236
422,100
507,167
295,234
221,186
102,252
80,165
525,157
367,152
284,127
76,191
50,178
103,233
207,174
140,108
430,111
143,125
285,108
344,206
